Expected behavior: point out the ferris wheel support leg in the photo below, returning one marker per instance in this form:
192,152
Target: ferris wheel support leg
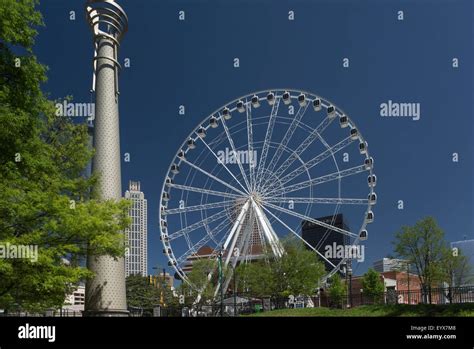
268,231
245,237
234,233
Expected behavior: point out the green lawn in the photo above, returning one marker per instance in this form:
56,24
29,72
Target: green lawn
379,310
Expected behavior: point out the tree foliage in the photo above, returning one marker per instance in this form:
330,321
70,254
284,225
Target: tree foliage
373,286
336,290
423,245
456,269
44,197
146,294
297,272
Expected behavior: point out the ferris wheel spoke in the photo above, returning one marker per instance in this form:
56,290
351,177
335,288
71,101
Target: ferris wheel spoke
197,207
316,160
231,142
315,134
312,220
251,158
332,201
286,139
205,191
222,163
210,236
320,180
268,137
212,176
197,225
299,237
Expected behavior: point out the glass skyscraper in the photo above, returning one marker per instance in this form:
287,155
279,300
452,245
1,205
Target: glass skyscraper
136,234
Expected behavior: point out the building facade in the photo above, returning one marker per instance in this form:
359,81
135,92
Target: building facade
137,234
75,301
390,264
319,237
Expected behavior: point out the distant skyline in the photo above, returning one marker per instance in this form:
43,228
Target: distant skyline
190,63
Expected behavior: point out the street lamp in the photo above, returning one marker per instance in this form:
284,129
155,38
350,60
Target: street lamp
408,281
235,294
349,273
219,256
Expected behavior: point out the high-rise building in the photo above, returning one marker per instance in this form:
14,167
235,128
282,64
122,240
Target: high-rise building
136,235
319,237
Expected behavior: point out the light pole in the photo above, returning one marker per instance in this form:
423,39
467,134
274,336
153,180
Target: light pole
235,294
408,281
220,282
349,273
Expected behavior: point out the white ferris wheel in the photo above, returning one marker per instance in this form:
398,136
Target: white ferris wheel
257,168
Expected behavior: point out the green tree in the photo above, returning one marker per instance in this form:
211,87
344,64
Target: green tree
44,197
297,272
141,293
456,267
373,286
336,290
204,280
423,245
300,271
255,279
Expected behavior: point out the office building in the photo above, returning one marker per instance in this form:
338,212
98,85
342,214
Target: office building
319,237
136,234
391,264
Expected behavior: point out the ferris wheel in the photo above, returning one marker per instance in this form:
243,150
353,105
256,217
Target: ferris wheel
263,167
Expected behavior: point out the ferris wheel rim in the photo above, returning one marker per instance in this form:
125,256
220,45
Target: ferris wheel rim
193,134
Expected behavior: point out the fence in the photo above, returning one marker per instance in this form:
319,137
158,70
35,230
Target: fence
446,295
245,304
48,313
242,304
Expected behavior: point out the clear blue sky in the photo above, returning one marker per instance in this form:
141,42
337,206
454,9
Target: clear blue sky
191,63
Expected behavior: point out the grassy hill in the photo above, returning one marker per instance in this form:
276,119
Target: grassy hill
378,310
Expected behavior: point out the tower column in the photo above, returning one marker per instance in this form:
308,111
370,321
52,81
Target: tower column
105,292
